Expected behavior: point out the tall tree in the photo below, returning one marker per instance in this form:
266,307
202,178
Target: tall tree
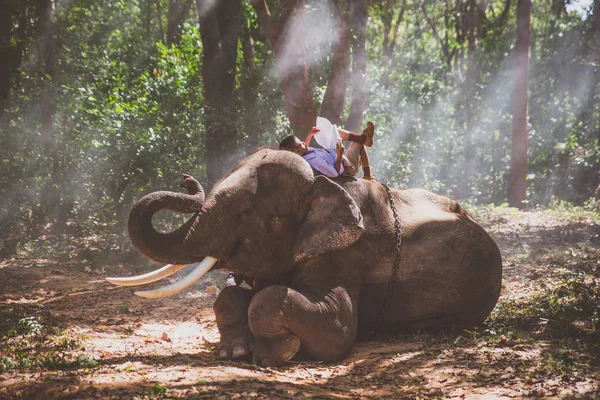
45,52
359,13
219,27
286,35
52,190
449,50
595,86
5,53
390,32
593,95
520,142
159,19
176,16
337,83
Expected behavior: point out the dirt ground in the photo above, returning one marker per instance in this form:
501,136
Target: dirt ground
84,338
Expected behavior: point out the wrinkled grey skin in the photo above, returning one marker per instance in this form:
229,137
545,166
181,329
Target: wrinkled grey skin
321,252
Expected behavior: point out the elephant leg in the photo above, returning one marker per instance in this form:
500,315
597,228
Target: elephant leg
283,319
231,313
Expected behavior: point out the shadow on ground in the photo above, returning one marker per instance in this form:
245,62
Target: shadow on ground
83,338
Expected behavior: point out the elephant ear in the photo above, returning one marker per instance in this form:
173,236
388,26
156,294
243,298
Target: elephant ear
333,221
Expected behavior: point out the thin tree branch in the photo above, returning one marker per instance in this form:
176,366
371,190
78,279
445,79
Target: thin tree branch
434,29
396,24
160,23
269,25
499,24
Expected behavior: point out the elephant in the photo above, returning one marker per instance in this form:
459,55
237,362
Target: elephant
332,261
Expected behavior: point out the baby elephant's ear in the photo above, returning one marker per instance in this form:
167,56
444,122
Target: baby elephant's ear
332,221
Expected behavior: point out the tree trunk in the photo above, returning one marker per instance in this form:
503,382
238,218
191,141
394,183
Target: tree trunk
286,36
518,162
176,16
470,75
333,101
591,116
390,31
447,54
50,194
247,45
45,50
160,21
358,22
219,28
146,6
6,55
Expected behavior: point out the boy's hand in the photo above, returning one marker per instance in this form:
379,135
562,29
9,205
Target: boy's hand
339,149
310,135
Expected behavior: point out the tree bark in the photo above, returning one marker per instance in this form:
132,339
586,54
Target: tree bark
594,117
470,75
591,108
286,36
358,22
6,55
45,51
219,28
518,162
55,199
390,32
335,95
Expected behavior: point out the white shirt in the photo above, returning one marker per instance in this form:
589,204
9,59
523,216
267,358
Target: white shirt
323,161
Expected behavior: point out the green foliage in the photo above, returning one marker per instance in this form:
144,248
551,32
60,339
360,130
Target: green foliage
569,307
26,344
157,389
128,113
421,114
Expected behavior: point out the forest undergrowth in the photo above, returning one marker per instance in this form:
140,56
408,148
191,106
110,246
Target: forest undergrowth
66,333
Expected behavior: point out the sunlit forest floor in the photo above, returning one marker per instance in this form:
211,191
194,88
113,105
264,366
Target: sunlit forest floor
68,334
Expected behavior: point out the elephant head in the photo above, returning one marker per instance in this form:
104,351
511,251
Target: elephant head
267,214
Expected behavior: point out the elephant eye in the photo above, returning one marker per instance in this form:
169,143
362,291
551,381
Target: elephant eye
248,212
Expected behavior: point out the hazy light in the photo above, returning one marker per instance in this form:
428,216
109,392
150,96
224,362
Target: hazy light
580,7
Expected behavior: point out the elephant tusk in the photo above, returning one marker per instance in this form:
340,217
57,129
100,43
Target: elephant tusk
153,276
202,268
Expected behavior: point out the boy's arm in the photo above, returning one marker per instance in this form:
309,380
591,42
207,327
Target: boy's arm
310,135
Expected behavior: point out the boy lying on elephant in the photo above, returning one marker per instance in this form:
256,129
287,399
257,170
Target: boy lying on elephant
330,160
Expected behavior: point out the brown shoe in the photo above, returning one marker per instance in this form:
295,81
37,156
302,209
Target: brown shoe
370,178
369,132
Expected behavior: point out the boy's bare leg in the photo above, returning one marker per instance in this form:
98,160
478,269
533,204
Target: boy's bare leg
366,165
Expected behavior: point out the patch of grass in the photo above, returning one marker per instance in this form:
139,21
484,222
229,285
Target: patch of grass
564,208
27,344
157,389
568,306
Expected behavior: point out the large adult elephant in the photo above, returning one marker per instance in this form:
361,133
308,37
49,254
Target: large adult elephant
322,254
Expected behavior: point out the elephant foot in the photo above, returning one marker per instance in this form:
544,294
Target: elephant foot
235,345
275,351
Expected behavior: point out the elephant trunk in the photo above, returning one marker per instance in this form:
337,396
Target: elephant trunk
166,247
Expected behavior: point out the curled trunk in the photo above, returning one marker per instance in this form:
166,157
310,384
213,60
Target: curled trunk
170,247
